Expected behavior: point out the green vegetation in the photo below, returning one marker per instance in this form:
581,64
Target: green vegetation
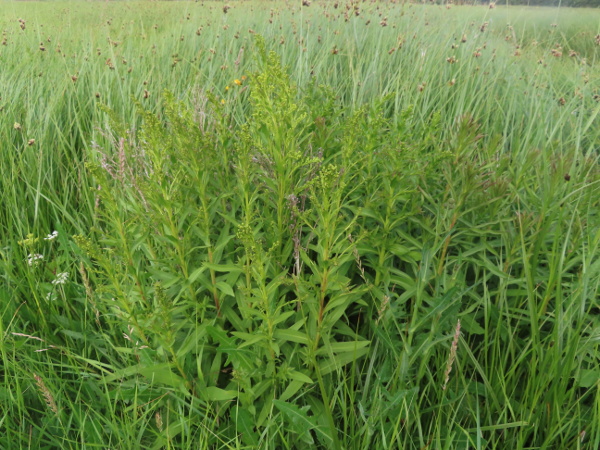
337,225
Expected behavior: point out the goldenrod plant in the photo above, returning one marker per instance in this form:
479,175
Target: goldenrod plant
340,225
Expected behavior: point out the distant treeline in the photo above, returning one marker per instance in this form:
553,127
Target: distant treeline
555,3
564,3
572,3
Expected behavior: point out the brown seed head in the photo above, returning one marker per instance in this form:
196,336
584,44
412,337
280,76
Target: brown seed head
46,394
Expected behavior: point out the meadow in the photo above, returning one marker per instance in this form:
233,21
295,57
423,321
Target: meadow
337,225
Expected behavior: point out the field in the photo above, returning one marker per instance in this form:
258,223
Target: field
337,225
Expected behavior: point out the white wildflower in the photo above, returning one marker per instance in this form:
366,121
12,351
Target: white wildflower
51,236
61,278
34,258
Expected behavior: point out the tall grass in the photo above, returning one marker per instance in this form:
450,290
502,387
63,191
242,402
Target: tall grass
338,225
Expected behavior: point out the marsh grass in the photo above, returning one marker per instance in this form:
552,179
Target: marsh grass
280,226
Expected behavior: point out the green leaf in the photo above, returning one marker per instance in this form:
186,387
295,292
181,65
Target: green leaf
292,388
157,374
227,345
299,376
245,426
196,274
168,279
588,378
341,359
220,336
249,338
283,317
341,300
298,419
342,347
292,336
73,334
215,394
229,268
470,325
162,374
225,288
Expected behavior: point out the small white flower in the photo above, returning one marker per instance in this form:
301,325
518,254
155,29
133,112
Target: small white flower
34,258
61,278
51,236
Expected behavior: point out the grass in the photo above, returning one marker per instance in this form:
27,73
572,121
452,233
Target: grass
337,225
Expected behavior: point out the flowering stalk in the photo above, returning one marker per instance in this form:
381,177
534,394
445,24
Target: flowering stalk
46,394
452,355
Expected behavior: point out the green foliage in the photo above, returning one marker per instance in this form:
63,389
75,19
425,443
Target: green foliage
336,249
233,268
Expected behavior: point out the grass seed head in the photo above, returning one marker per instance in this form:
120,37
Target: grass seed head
452,355
46,394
